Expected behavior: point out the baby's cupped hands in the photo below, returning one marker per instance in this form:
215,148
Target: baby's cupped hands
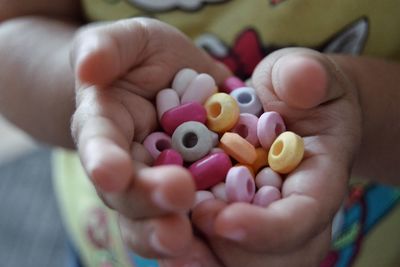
318,101
119,68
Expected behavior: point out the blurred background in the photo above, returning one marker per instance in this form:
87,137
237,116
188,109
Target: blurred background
31,232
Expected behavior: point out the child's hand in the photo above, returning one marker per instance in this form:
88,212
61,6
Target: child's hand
320,103
119,68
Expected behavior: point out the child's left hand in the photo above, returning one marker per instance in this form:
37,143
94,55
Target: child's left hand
320,103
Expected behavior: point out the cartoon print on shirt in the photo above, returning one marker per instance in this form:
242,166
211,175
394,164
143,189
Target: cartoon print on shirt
168,5
247,50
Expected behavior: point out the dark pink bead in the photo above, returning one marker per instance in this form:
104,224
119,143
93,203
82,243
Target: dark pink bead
169,157
231,84
174,117
210,170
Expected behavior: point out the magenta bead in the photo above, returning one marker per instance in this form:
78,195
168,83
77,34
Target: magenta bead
187,112
231,84
157,142
210,170
169,157
165,100
202,195
269,177
269,126
246,127
266,195
200,89
240,186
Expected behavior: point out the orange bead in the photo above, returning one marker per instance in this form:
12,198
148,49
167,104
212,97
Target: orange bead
286,152
261,160
222,112
238,148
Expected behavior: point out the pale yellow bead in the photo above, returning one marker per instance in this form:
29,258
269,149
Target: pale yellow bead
222,112
286,152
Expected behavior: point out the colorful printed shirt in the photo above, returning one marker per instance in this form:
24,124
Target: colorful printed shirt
240,33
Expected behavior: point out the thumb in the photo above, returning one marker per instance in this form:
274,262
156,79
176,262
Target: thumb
301,78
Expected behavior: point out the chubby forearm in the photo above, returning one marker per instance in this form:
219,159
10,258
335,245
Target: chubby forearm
36,79
378,84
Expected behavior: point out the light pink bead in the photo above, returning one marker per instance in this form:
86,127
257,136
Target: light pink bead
246,127
266,195
219,191
176,116
165,100
200,89
157,142
182,80
202,195
210,170
231,84
169,157
269,126
269,177
240,186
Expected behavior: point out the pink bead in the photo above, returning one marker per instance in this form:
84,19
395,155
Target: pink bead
210,170
266,195
182,80
169,157
246,127
202,195
165,100
269,126
157,142
269,177
200,89
219,191
240,186
174,117
231,84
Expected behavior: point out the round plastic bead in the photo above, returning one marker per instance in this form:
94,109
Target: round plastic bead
157,142
261,159
219,191
202,195
246,127
192,140
199,89
222,112
240,186
165,100
247,166
232,83
176,116
286,152
247,100
270,125
266,195
269,177
238,148
182,80
169,157
210,170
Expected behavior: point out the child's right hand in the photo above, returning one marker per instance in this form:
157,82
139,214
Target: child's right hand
119,68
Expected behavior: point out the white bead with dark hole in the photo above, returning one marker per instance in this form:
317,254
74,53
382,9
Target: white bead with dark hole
192,140
247,100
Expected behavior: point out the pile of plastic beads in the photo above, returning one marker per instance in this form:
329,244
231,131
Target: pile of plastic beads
234,151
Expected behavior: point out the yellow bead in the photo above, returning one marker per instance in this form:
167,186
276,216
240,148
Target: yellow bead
222,112
261,160
286,152
238,148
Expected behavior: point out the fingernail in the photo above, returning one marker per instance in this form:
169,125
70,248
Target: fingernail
160,200
235,235
157,246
